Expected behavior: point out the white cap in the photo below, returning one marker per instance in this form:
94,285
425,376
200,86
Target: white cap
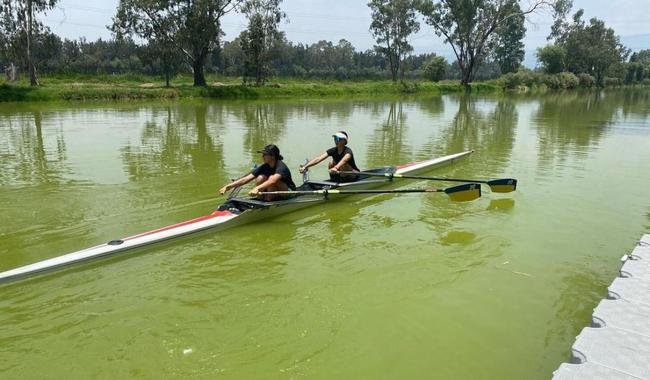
340,135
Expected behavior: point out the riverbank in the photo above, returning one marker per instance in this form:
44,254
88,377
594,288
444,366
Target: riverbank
127,87
139,87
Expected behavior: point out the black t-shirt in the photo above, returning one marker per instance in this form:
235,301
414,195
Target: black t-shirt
280,168
336,156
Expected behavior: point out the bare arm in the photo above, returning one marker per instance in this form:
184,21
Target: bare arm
272,180
343,161
314,161
240,182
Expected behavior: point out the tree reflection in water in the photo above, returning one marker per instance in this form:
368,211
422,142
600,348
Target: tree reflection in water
25,156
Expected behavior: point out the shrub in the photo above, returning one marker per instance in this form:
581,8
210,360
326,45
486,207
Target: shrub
435,68
520,78
510,81
528,78
551,81
586,80
609,82
568,80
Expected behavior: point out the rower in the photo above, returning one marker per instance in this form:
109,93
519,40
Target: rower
342,160
272,175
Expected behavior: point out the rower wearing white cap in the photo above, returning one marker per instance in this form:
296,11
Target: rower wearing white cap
342,159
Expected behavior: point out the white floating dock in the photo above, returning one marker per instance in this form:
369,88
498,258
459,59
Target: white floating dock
617,345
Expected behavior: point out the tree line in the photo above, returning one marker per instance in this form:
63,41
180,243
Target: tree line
186,36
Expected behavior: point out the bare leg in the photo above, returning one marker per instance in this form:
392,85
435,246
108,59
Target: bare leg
278,186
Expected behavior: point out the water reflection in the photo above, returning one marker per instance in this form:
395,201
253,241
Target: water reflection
181,142
388,142
489,128
502,205
571,124
635,103
263,124
326,111
434,107
577,296
457,237
26,159
486,126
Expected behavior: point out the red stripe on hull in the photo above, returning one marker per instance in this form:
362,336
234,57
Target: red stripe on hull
407,165
215,214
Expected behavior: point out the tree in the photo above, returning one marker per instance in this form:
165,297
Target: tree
590,48
161,58
435,68
469,27
509,48
192,26
639,66
642,56
552,58
232,57
258,40
343,54
320,55
393,21
19,26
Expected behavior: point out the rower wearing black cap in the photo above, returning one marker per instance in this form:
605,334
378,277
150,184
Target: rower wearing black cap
342,159
272,175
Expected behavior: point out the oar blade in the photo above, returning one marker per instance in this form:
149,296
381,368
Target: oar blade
504,185
464,193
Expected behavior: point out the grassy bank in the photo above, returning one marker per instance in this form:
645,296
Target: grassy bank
126,87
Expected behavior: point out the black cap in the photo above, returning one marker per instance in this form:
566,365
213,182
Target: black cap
272,150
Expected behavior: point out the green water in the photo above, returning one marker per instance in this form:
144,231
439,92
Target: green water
409,286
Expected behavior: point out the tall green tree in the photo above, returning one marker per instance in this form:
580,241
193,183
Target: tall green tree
192,26
469,26
257,41
162,58
552,58
590,48
393,21
18,28
508,46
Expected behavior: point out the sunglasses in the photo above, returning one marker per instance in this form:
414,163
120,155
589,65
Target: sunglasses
337,139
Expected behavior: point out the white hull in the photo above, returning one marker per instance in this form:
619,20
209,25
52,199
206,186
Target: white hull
217,220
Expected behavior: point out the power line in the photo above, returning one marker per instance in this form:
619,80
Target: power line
77,24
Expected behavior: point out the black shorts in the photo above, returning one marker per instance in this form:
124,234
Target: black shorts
342,178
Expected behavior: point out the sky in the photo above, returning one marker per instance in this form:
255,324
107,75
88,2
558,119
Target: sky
309,21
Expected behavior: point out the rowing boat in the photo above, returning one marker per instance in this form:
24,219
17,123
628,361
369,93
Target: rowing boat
235,211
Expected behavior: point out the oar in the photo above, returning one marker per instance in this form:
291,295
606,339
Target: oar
460,193
501,185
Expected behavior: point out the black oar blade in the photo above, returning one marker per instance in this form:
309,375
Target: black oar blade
504,185
464,193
